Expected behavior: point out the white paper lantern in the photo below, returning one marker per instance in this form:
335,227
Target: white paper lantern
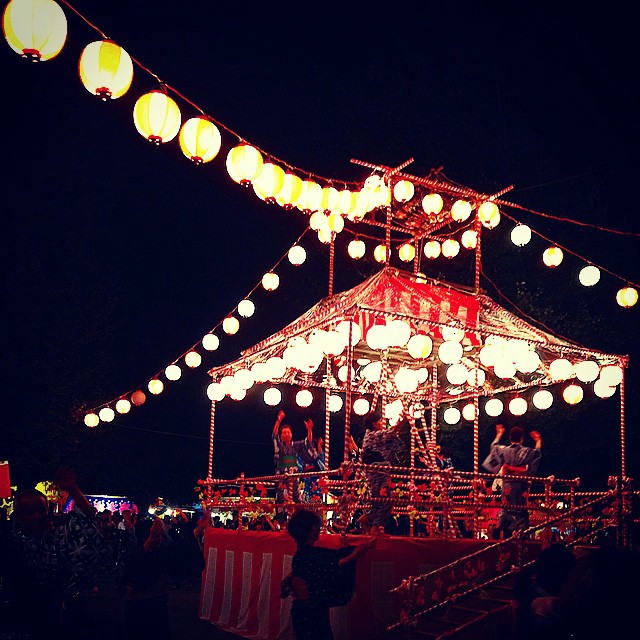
276,367
372,372
406,380
504,369
173,372
572,394
450,352
345,326
461,210
215,392
230,325
469,239
452,334
246,308
106,414
343,373
91,420
123,406
542,399
450,248
419,346
432,203
155,386
587,370
238,394
527,362
602,389
304,398
469,412
193,359
560,369
361,406
432,249
589,276
335,403
270,281
451,415
211,342
377,337
244,378
457,374
520,235
518,406
611,375
493,407
398,333
272,396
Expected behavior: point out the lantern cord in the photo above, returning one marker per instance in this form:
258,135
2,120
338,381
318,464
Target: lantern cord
577,255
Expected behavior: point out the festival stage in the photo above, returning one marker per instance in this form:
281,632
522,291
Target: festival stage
241,581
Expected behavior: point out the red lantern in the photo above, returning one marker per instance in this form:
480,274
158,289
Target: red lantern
138,398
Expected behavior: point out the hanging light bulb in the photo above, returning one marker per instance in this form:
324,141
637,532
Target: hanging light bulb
403,191
123,406
211,342
542,399
91,420
270,281
173,372
469,239
155,386
246,308
138,398
356,249
106,414
193,359
520,235
230,325
432,203
36,29
272,396
380,253
156,117
450,248
244,164
552,257
432,249
493,407
105,69
451,415
627,297
407,251
297,255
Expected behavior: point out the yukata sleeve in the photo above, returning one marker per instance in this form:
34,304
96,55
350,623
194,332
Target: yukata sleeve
493,462
275,438
533,461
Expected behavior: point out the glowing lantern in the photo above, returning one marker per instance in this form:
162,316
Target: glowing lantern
106,70
244,378
377,337
311,197
260,372
347,202
432,249
270,281
587,370
227,384
542,399
398,333
450,352
238,394
106,414
330,200
552,257
469,239
611,375
157,117
269,181
343,373
304,398
457,374
451,415
276,367
215,392
325,235
489,355
419,346
173,372
504,369
489,215
244,164
403,191
527,361
361,406
380,253
356,249
520,235
406,380
589,275
230,325
290,192
246,309
602,389
335,403
297,255
123,406
91,420
493,407
627,297
372,372
432,203
518,406
336,222
450,248
155,386
211,342
272,396
36,29
345,326
407,251
561,369
452,334
318,221
469,412
333,343
476,378
460,210
200,140
138,398
573,394
193,359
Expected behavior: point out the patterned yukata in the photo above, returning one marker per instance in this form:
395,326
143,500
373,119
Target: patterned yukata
514,492
285,457
307,462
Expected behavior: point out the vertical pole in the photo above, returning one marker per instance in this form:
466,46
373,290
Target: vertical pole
327,414
212,422
623,462
416,258
347,395
478,253
387,234
476,452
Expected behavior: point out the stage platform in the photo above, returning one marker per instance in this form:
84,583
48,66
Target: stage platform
241,581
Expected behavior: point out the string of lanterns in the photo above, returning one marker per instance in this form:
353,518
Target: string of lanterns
192,358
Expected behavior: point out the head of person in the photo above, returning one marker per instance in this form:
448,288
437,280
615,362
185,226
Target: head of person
374,421
31,512
285,434
516,435
304,526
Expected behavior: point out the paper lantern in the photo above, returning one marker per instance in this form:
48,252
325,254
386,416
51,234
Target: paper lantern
572,394
211,342
469,239
155,386
311,197
403,190
335,222
560,369
325,235
450,352
243,378
246,308
489,355
297,255
627,297
476,378
335,403
347,201
230,325
527,361
380,253
304,398
106,70
451,415
361,406
36,29
432,249
345,327
270,281
200,140
520,235
504,369
156,117
587,370
343,373
372,372
138,398
268,182
106,414
518,406
228,384
333,343
457,374
493,407
542,399
377,337
356,249
318,220
406,380
260,372
329,201
123,406
244,164
290,192
611,375
91,420
238,394
276,367
489,215
419,346
469,412
589,275
602,389
461,210
450,248
552,257
432,203
173,372
193,359
398,333
272,396
215,392
452,334
407,252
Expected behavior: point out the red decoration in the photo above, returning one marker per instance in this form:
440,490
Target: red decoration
138,398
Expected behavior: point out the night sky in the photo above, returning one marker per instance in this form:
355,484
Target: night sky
118,256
